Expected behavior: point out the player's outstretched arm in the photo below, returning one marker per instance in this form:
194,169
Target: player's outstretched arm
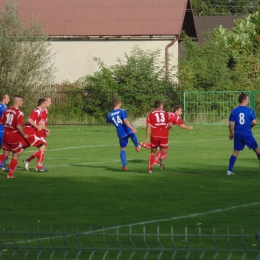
186,127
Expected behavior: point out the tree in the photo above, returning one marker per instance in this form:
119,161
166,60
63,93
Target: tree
224,7
25,56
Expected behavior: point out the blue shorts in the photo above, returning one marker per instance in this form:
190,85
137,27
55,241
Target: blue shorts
242,138
1,138
123,142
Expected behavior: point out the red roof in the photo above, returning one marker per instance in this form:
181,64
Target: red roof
106,17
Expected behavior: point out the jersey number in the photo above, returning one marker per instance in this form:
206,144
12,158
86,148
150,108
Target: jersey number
9,119
160,117
117,120
241,118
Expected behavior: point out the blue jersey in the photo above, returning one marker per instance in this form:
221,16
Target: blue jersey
116,117
2,109
242,116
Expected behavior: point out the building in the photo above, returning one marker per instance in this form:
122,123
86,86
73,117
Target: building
82,29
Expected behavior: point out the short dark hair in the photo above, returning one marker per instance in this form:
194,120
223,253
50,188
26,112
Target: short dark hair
3,96
41,101
242,97
158,103
175,108
116,101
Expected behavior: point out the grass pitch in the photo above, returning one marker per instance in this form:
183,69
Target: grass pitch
85,186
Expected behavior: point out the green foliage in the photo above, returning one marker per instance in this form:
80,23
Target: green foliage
224,7
25,56
138,80
229,59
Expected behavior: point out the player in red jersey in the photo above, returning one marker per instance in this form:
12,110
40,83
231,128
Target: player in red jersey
157,129
12,119
32,125
40,133
176,119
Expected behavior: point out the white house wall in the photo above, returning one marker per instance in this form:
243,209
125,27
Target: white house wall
74,59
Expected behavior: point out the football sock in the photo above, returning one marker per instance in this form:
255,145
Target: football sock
232,161
35,154
40,159
134,140
258,156
151,160
3,158
158,155
123,157
163,155
3,163
12,165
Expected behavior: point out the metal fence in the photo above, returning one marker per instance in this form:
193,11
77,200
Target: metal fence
125,243
214,107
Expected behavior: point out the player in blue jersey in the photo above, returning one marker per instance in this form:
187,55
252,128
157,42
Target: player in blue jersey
3,103
125,130
244,119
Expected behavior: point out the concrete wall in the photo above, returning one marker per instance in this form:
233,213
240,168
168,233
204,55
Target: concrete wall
74,59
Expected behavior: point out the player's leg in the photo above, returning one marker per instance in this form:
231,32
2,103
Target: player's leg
135,141
2,165
151,159
123,144
15,148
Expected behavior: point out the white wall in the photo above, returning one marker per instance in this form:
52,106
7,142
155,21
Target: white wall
74,59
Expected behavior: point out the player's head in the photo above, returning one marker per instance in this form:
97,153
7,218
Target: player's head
158,104
48,100
18,101
4,99
42,103
243,98
116,102
177,110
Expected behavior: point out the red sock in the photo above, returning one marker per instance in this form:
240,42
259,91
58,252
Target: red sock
40,159
35,154
2,158
163,155
12,165
158,155
151,160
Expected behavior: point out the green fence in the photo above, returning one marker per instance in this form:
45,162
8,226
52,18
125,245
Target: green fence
214,107
128,244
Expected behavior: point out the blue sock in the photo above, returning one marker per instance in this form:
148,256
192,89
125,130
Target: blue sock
134,140
258,156
3,163
232,161
123,157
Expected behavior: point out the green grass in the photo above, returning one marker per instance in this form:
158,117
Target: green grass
86,187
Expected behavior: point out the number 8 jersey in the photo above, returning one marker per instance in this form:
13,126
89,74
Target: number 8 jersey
158,119
242,116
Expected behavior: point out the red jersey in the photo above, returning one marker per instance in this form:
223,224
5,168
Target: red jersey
36,117
44,118
175,119
11,118
158,119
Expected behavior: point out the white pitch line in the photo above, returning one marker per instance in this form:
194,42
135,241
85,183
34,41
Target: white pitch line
151,221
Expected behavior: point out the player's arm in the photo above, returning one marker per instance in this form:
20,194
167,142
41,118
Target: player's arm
42,123
31,122
253,123
127,123
148,131
20,130
230,127
186,127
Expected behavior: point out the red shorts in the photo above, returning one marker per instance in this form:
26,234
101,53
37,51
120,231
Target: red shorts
32,140
12,142
159,142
